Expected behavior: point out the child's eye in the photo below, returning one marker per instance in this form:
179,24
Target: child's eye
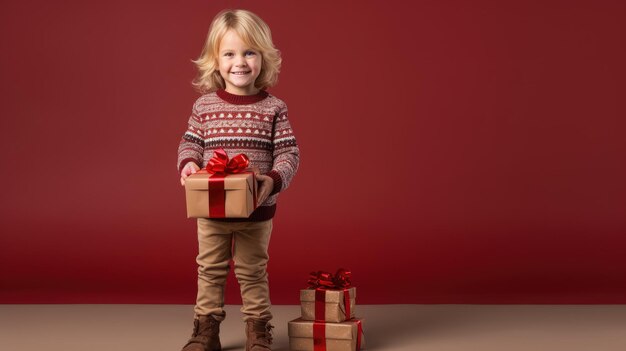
250,53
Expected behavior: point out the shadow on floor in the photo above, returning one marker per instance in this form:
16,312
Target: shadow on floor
400,326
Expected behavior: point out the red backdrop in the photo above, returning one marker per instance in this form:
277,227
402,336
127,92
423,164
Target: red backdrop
452,151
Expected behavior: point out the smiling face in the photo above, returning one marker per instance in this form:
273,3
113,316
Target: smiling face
239,64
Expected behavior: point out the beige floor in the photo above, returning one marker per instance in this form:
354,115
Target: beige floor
387,327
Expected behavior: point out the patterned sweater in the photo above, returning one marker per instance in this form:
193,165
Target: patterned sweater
255,125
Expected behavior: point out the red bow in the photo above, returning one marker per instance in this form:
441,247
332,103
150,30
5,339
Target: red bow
219,164
325,280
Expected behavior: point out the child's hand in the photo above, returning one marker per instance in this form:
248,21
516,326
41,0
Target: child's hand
265,187
190,168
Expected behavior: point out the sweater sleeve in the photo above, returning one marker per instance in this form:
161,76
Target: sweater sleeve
191,146
286,153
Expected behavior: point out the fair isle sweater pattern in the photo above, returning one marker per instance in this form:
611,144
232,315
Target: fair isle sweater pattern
255,125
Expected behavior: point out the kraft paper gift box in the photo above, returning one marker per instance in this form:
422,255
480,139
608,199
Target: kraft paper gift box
334,304
345,336
237,198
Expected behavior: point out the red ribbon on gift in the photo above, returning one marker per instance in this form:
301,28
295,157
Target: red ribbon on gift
319,335
219,166
322,281
325,280
359,334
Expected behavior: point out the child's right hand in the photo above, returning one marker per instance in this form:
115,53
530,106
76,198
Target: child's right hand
190,168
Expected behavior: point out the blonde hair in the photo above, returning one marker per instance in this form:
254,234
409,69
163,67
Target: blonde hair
254,32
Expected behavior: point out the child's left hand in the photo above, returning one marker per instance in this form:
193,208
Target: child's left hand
266,185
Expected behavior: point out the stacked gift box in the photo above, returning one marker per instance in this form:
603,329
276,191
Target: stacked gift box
327,320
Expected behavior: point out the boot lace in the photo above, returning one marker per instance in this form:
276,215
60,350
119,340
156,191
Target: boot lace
263,333
267,334
204,329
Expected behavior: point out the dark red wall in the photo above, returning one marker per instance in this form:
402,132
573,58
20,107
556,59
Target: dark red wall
452,151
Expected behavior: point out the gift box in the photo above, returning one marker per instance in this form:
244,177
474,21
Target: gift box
232,195
226,188
312,336
327,305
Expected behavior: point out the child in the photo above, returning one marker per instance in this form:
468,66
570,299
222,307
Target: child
238,62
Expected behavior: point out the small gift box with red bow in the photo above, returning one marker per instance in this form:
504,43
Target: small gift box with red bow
224,189
329,298
327,321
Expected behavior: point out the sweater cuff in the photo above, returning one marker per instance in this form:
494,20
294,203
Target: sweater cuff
278,182
184,162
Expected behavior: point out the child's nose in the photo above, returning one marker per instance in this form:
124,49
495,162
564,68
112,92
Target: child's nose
241,60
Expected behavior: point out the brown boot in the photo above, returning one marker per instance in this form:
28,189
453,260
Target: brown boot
259,335
206,335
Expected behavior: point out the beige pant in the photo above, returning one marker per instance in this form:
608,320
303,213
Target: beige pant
246,243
